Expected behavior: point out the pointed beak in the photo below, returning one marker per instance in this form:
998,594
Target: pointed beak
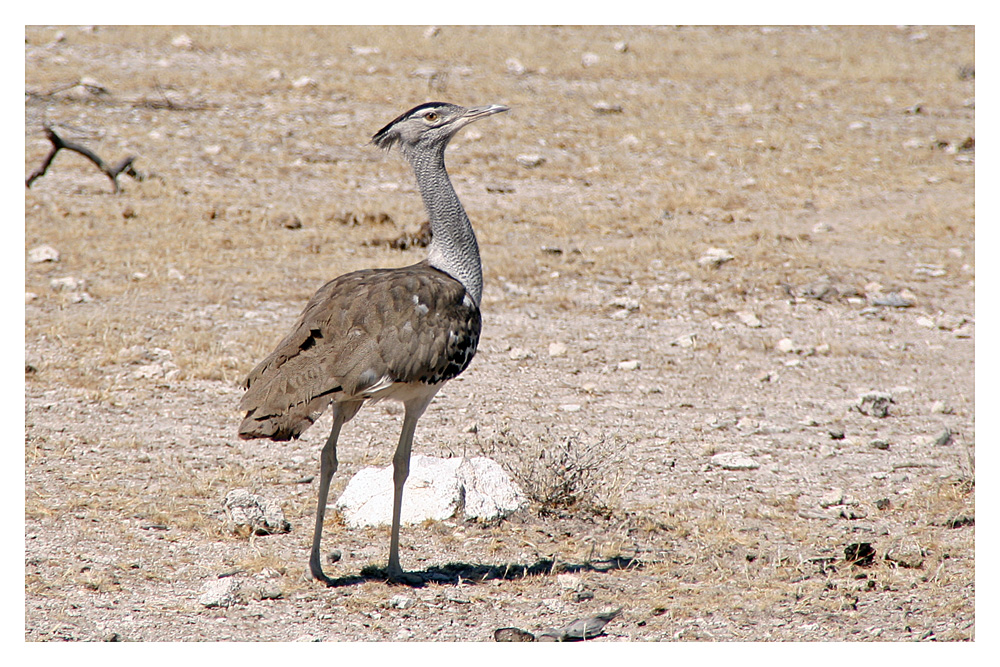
475,113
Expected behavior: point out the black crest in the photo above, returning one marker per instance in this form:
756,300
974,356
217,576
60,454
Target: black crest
386,139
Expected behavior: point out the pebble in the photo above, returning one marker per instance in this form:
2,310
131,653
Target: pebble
606,108
833,497
749,319
874,404
43,253
630,365
69,283
715,257
734,461
570,407
262,516
687,340
942,408
901,299
785,345
220,593
401,602
557,349
880,444
945,438
530,161
514,67
520,353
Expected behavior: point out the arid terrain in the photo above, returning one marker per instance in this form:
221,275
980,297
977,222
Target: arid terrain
702,248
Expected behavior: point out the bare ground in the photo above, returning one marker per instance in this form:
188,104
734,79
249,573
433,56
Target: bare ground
832,164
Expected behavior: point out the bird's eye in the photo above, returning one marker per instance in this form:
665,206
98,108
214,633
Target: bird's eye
431,116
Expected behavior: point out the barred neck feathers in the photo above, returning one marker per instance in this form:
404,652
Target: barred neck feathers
453,248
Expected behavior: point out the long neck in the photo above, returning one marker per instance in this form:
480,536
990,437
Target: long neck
454,249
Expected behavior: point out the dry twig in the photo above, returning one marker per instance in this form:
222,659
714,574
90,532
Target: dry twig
58,143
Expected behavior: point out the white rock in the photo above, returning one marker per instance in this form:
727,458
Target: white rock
29,297
43,253
630,365
434,490
519,353
590,59
557,349
570,407
304,82
785,345
687,340
262,516
490,493
220,593
182,41
715,257
734,461
833,497
68,284
529,160
514,67
874,403
749,319
401,602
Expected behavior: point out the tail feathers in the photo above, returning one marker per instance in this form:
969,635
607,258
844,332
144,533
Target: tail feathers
284,425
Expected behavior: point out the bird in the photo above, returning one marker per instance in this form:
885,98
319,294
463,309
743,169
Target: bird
384,333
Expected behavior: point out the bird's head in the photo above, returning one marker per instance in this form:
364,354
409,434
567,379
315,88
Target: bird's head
430,125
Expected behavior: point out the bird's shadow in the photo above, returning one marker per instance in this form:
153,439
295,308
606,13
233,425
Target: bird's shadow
474,573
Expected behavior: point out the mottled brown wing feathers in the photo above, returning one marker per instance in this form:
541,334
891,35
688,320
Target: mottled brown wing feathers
358,334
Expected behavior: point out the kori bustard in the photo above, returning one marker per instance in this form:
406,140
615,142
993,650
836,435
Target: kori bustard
381,333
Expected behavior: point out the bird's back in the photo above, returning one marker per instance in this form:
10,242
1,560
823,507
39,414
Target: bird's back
361,335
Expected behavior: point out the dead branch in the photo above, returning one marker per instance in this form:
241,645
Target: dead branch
58,143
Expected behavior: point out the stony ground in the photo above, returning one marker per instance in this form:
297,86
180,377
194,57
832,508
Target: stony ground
702,248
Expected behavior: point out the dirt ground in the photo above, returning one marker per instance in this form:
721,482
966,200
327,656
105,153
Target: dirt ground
697,243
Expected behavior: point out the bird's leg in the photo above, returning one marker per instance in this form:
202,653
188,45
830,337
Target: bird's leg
400,471
327,466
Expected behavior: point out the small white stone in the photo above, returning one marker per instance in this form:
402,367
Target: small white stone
630,365
734,461
749,319
68,284
519,353
785,345
833,497
927,322
304,82
514,67
182,41
401,602
43,253
220,593
715,257
529,160
590,59
557,349
687,340
570,407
